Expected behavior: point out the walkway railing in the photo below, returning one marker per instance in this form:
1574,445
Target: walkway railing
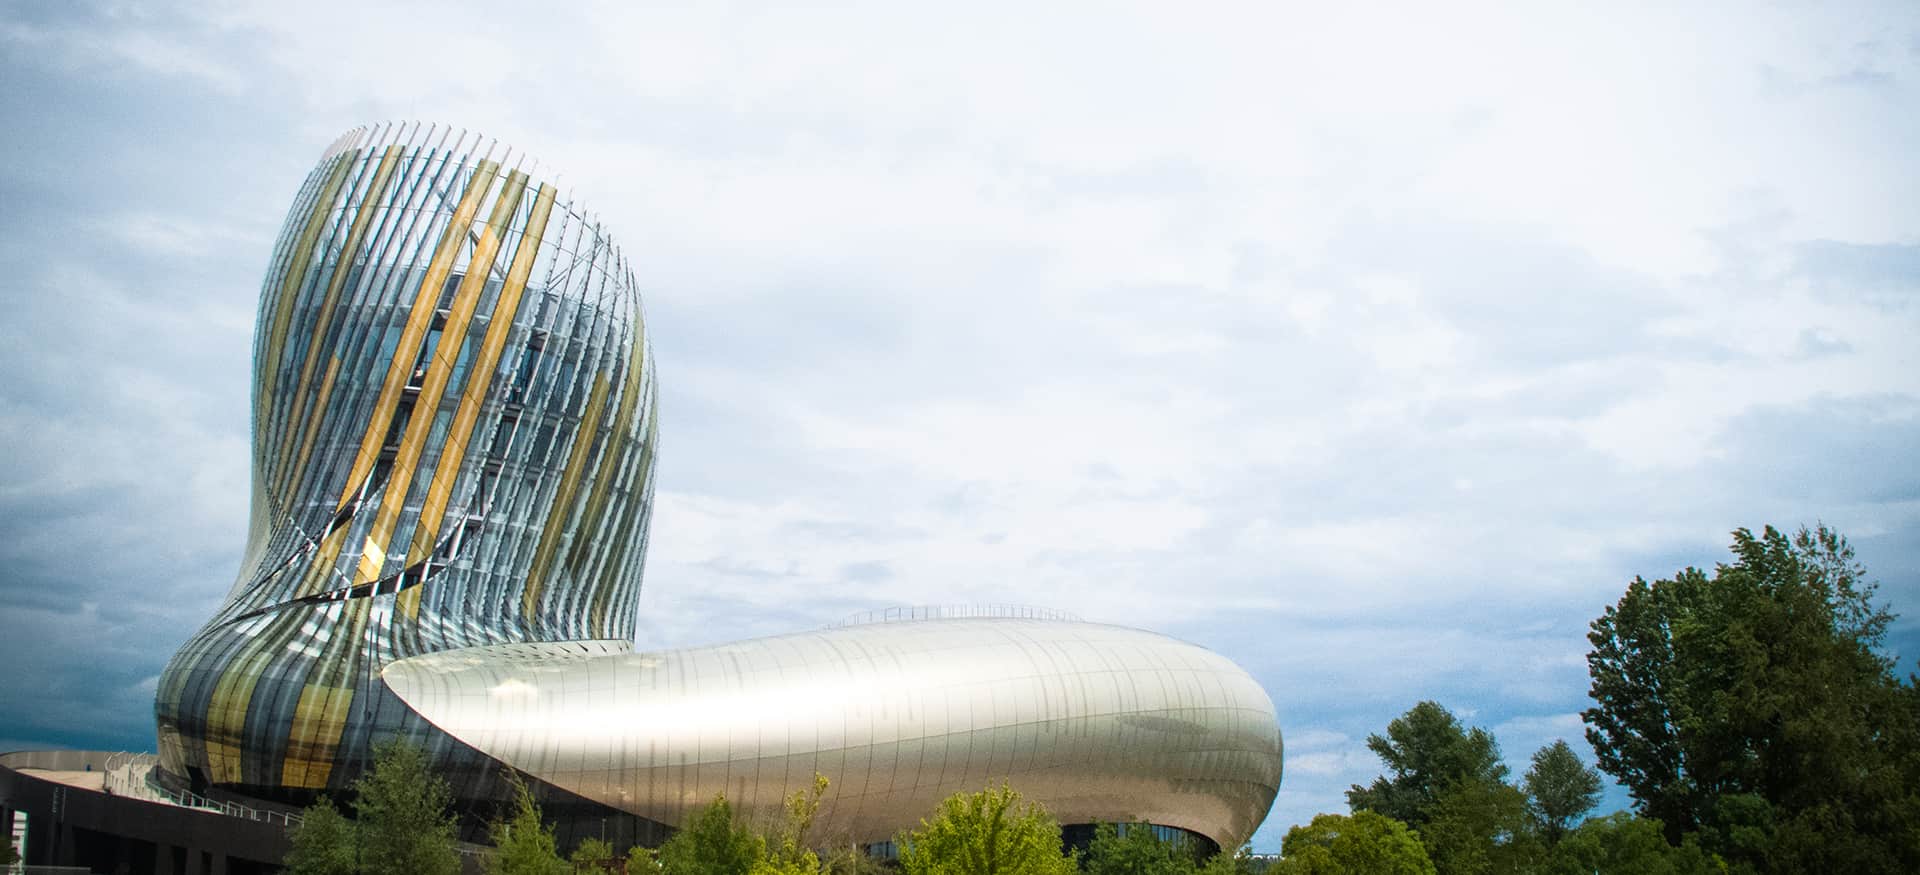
910,613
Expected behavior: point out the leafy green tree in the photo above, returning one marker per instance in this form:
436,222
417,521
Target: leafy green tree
1137,851
1753,707
712,843
1481,827
787,850
1560,790
591,854
322,843
9,856
1622,844
1426,751
640,861
1364,844
401,823
522,844
404,815
993,832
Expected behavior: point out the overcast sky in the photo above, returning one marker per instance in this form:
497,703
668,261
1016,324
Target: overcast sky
1374,348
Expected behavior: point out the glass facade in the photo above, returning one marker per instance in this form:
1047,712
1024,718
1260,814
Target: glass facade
454,432
453,439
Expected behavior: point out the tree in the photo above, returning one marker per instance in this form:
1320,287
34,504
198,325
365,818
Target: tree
713,844
1753,708
403,815
322,844
591,854
1560,790
1425,750
1480,827
993,831
401,823
787,850
1139,850
1621,844
1239,862
522,844
1364,844
640,860
8,856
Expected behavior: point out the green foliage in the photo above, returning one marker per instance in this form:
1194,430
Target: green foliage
640,861
1481,827
401,823
1363,844
1621,844
987,833
322,843
402,811
1753,709
9,856
1426,751
522,844
1560,790
787,851
713,844
592,854
1137,851
1239,862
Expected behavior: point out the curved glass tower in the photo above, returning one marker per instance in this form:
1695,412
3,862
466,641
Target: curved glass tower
453,439
454,431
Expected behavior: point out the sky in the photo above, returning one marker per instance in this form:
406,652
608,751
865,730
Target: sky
1375,347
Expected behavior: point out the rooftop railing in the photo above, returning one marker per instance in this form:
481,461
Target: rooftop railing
911,613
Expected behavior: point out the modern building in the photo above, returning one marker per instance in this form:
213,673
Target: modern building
455,426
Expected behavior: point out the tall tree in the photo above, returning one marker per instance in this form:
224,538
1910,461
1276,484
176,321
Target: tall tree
1426,750
1754,708
322,844
993,832
1560,790
404,815
712,843
401,824
1480,827
522,844
1363,844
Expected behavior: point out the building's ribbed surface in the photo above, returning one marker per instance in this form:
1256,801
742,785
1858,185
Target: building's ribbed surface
454,404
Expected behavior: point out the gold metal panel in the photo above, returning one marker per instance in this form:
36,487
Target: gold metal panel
473,396
418,319
426,405
562,508
297,474
590,522
323,318
295,275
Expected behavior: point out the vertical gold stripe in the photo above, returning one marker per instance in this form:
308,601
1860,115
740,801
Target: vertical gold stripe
400,368
636,376
479,377
290,284
415,331
562,507
453,336
323,318
298,473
